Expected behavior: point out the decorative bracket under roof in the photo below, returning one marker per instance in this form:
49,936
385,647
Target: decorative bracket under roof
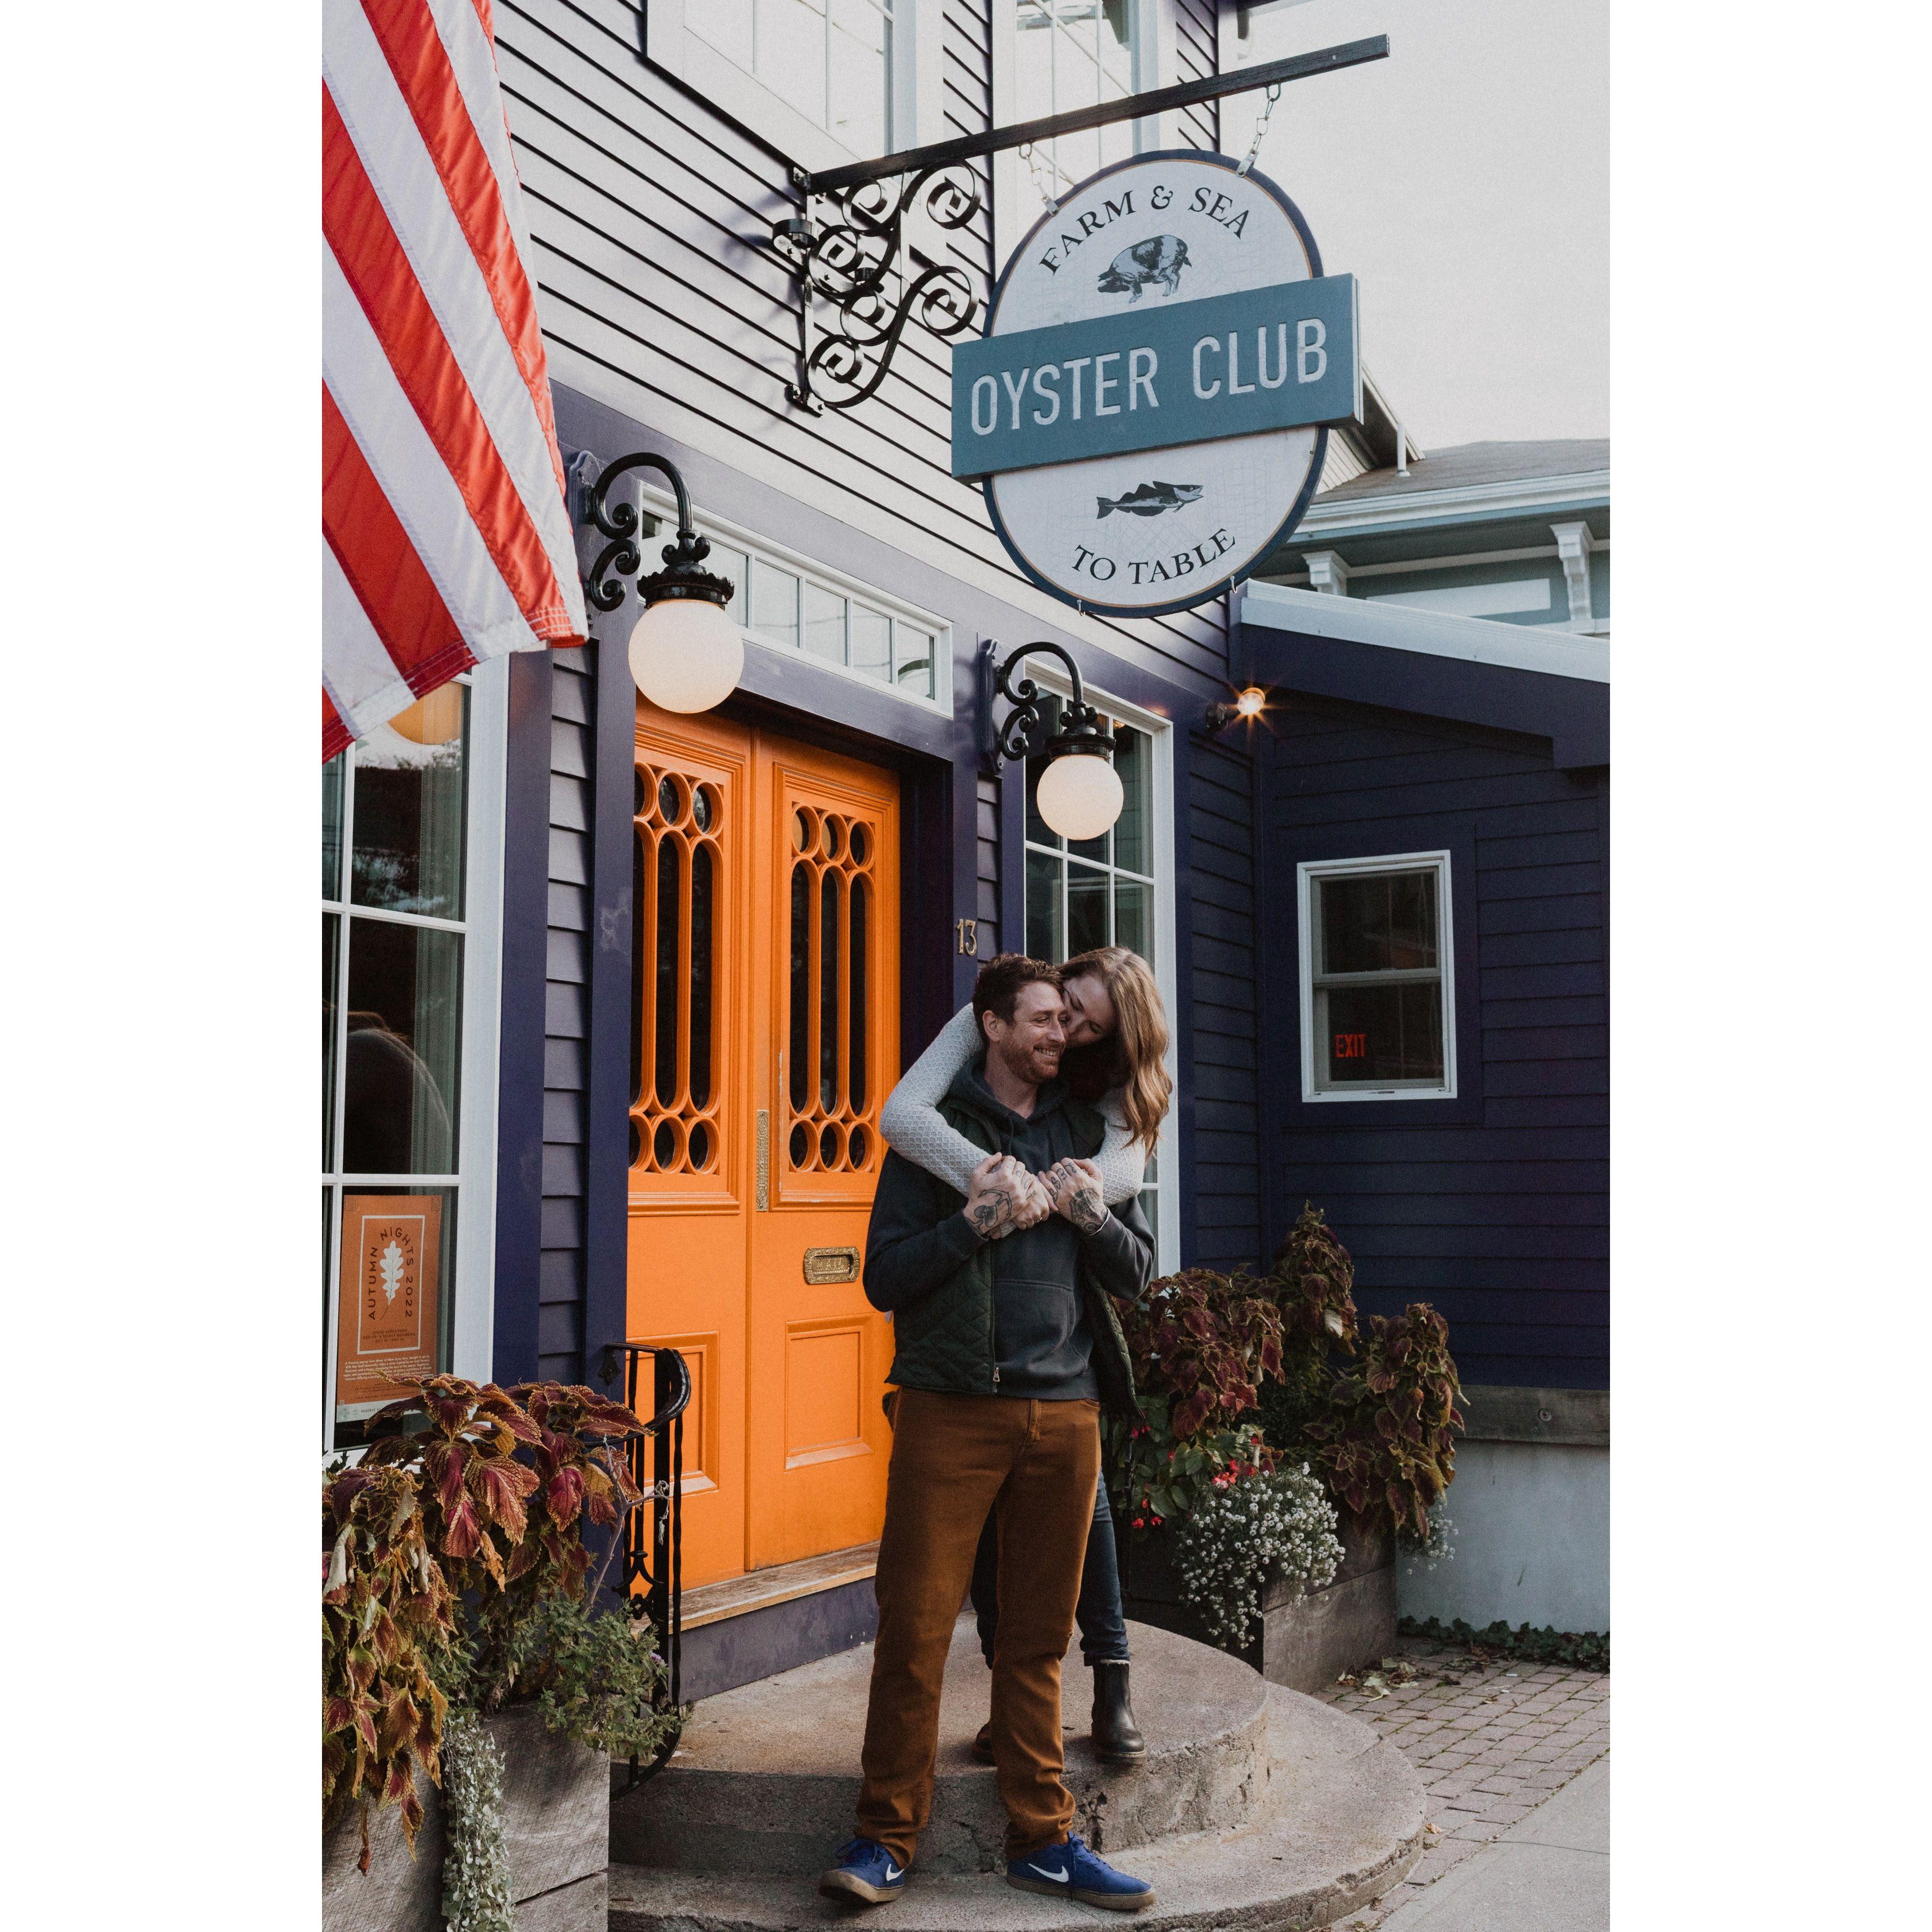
846,244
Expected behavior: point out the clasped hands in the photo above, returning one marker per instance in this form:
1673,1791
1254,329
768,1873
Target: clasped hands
1005,1196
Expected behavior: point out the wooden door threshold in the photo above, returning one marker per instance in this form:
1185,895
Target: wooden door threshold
759,1589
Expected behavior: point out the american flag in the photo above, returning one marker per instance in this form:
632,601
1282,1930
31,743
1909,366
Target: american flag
445,535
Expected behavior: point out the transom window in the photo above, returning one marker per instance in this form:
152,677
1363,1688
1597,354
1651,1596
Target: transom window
1377,998
1069,54
394,928
786,604
832,60
1098,892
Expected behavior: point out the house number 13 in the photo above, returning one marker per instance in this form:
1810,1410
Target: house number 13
968,930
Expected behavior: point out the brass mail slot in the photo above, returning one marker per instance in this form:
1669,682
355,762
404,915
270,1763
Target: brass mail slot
829,1264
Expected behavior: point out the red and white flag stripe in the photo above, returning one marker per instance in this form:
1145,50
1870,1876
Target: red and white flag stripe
446,538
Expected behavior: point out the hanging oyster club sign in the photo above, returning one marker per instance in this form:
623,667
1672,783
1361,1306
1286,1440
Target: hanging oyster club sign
1147,407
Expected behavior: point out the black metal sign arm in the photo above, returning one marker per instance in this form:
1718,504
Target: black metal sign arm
847,261
1079,120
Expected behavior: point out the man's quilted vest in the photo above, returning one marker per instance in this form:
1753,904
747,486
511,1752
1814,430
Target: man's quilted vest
945,1340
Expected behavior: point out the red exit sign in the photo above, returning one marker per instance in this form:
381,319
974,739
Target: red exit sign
1352,1046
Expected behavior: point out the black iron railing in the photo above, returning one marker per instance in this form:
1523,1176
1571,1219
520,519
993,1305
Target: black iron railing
654,1530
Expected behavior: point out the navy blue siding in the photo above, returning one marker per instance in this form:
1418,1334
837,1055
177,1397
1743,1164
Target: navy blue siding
1494,1209
560,1275
1220,912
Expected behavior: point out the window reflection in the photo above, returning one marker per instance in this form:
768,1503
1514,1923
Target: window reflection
400,1052
409,817
331,950
334,782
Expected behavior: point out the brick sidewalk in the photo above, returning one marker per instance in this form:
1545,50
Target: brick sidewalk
1491,1744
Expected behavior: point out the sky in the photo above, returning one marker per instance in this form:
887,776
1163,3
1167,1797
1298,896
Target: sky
1465,180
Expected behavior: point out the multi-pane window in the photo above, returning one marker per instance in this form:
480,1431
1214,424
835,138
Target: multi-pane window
793,609
1376,996
1069,54
394,930
830,59
1097,892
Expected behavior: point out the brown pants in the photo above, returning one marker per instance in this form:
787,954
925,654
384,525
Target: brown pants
954,1458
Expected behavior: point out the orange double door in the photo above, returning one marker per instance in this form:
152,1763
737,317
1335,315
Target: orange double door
765,1036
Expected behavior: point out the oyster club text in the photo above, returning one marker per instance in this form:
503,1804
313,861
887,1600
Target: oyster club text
1159,374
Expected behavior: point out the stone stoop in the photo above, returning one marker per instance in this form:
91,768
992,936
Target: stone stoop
1258,1810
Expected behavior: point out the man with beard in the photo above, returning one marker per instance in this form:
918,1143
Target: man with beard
1007,1345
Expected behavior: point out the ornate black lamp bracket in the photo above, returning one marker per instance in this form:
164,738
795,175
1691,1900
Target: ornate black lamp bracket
848,250
1024,732
621,557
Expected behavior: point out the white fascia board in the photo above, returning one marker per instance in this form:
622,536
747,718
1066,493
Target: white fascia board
1431,633
1409,509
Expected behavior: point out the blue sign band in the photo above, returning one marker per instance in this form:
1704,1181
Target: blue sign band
1278,358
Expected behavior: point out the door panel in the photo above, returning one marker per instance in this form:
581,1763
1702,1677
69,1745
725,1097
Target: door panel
826,991
690,1148
765,1030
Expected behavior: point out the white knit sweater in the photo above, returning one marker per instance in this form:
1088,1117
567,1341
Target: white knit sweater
911,1121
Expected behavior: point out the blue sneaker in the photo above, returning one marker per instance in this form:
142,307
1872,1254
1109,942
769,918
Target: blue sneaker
866,1873
1071,1871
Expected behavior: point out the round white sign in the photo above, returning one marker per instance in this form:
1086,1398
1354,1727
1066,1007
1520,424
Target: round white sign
1161,529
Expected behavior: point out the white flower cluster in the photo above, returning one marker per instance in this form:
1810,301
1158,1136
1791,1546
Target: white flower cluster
476,1862
1238,1539
1439,1546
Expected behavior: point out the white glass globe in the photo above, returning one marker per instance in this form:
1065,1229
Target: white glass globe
1080,796
686,654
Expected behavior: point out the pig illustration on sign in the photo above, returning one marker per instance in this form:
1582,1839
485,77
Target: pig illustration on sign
1160,258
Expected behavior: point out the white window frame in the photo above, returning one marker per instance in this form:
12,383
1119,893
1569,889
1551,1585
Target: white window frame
913,83
472,1337
661,505
1306,874
1153,63
1160,733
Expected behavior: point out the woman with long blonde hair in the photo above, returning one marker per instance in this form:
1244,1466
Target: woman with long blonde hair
1115,1061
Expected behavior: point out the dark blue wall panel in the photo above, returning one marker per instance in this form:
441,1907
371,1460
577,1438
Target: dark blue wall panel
1219,1003
1493,1208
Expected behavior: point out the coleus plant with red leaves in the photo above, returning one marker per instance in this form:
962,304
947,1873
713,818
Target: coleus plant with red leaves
466,1514
1224,1361
385,1609
1388,1441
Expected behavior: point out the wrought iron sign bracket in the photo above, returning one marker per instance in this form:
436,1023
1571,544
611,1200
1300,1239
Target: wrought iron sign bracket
846,245
850,256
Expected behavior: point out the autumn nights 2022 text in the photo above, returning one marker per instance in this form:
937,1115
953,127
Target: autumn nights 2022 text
1154,570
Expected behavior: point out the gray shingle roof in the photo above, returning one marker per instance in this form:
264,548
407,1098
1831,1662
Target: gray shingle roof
1469,464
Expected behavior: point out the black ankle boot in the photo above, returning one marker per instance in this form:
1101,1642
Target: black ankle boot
1117,1738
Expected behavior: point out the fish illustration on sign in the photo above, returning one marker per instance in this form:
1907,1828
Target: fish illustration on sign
1149,500
1160,258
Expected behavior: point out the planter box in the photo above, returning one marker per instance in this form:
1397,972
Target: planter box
556,1805
1305,1641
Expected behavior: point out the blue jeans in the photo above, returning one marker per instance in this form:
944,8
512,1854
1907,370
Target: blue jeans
1102,1621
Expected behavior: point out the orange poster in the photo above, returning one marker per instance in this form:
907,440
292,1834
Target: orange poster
386,1309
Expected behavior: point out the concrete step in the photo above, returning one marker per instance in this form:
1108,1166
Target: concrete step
1340,1824
766,1776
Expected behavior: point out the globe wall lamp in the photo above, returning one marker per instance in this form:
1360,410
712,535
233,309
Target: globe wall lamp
1079,792
686,653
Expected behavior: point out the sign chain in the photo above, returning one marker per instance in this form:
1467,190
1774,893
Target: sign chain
1043,177
1261,128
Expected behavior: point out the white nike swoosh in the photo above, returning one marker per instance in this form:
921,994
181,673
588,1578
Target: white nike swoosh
1058,1878
891,1871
